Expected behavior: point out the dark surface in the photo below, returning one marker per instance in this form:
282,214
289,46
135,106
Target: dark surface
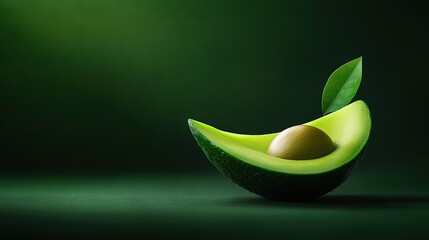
370,206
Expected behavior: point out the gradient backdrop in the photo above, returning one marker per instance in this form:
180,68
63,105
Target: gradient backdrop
107,86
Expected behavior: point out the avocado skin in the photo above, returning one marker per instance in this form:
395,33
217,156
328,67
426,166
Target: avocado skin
269,184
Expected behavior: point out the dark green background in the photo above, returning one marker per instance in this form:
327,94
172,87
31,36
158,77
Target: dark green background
109,85
106,87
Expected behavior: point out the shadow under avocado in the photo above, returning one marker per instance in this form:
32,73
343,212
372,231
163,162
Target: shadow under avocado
342,201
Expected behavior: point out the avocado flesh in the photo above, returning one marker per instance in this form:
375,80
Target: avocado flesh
243,158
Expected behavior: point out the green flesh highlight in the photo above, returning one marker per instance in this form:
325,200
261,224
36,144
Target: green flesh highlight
349,129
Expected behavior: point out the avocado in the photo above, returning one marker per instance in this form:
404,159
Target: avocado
244,159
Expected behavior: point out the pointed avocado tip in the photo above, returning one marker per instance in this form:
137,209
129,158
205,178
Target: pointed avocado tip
193,121
195,125
190,122
192,126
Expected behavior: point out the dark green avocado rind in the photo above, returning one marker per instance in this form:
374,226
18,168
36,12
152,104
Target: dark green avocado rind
270,184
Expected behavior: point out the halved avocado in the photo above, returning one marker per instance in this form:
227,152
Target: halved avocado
243,158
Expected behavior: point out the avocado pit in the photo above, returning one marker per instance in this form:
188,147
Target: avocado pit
301,142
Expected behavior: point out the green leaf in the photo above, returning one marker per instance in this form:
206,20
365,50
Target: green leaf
342,86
